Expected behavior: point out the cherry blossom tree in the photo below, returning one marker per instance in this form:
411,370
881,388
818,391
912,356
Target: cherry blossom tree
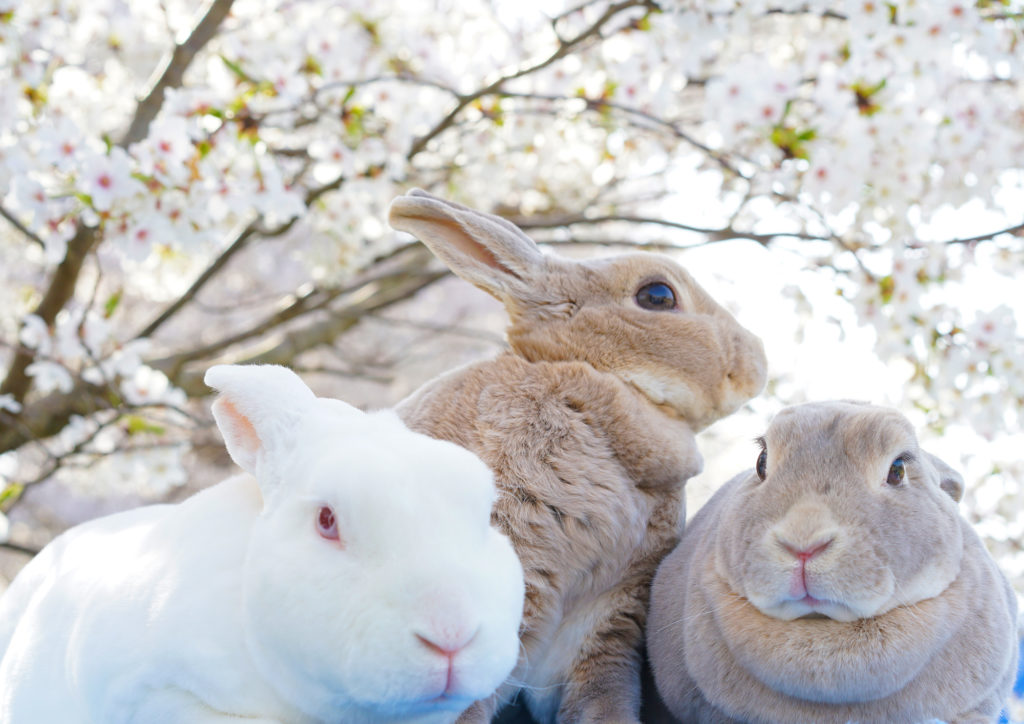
187,182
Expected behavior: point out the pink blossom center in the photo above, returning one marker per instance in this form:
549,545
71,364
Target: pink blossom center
105,181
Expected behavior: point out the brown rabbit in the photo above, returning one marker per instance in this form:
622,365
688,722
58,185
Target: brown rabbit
588,421
836,582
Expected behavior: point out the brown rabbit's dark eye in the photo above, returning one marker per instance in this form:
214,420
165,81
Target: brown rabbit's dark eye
656,296
897,472
762,465
326,523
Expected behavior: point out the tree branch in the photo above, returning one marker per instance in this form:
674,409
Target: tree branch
601,104
1016,230
171,73
563,49
726,233
311,301
17,548
61,289
240,240
377,295
65,277
48,416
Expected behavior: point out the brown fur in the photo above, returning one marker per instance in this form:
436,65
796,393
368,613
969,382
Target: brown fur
588,422
928,626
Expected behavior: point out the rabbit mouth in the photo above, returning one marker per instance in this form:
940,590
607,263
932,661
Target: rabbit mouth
807,607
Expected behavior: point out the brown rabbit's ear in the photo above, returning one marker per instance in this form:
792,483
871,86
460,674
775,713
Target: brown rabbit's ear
949,479
485,250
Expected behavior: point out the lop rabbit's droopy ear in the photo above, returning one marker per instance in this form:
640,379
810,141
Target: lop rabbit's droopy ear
258,412
489,252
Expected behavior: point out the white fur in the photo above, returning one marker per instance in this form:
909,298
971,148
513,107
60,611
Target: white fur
227,606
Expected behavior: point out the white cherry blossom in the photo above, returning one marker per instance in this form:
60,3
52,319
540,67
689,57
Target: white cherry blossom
852,137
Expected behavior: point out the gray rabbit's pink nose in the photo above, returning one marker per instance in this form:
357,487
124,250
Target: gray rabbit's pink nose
806,553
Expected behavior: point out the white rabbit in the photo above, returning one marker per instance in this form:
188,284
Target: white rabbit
834,583
588,421
352,577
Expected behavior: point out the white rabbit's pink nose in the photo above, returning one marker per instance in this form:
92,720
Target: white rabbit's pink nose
447,643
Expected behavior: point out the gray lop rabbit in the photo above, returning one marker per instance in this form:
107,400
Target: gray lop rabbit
836,582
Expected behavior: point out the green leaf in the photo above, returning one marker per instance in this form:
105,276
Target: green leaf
236,69
867,104
791,140
10,494
887,287
135,425
311,66
110,306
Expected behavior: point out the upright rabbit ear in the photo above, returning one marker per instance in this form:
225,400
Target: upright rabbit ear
258,412
485,250
949,479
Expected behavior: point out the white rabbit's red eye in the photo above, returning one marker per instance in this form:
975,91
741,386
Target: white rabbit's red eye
326,523
656,296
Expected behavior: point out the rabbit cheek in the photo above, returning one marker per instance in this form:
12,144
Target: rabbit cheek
682,398
928,564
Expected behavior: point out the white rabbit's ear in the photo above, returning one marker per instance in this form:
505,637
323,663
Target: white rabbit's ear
949,479
258,411
490,252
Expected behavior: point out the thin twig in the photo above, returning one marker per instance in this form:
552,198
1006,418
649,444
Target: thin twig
600,104
27,232
241,238
18,548
475,334
720,234
313,300
1016,230
563,49
288,346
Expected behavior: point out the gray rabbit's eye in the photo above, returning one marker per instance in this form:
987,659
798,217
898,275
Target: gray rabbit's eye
897,472
762,465
656,296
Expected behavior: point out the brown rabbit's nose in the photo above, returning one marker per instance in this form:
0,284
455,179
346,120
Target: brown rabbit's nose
806,553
